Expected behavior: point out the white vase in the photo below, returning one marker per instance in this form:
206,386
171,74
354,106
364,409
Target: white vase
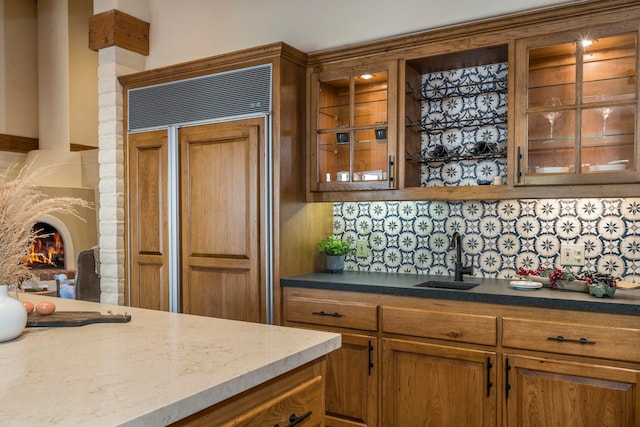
13,316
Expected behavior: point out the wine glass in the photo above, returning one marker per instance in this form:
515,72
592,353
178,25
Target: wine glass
605,111
552,116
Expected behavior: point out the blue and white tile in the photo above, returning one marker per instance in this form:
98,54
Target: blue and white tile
416,236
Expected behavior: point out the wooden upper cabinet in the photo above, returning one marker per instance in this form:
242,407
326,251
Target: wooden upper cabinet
577,107
469,110
353,127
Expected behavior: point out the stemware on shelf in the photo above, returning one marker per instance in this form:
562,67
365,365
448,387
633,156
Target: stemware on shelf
605,111
552,115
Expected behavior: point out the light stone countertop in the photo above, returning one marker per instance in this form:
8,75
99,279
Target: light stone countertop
156,369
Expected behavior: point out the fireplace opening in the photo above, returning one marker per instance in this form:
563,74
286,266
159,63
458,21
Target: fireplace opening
47,250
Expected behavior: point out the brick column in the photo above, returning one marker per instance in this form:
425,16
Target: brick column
116,57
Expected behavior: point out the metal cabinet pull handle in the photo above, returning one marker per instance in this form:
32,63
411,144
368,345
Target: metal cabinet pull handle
489,383
293,420
519,170
323,313
507,385
578,341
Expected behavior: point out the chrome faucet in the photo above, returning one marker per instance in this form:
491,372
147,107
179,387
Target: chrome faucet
460,269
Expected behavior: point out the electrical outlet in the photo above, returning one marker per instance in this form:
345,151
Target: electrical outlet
362,249
571,254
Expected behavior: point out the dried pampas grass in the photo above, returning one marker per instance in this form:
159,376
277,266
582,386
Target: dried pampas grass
21,204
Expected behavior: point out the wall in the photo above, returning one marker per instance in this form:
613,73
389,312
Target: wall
83,71
20,92
191,29
18,68
498,236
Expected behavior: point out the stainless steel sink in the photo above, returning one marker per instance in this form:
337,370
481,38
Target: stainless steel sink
447,284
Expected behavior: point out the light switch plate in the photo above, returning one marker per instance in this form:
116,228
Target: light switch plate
362,249
572,254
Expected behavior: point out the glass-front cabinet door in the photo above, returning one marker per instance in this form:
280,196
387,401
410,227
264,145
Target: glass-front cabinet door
353,129
577,107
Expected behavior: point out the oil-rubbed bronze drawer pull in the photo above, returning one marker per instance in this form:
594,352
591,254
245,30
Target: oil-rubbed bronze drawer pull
323,313
293,420
578,341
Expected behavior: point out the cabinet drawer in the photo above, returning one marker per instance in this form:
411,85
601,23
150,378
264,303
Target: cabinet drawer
297,395
332,313
303,403
574,339
469,328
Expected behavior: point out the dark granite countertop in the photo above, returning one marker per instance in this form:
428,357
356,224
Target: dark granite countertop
495,291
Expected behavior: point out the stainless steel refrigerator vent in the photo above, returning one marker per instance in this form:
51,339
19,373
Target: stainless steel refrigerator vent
235,93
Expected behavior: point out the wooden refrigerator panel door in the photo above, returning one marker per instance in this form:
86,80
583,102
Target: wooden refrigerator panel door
148,220
220,217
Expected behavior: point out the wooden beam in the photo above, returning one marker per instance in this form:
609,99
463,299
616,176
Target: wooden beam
18,144
81,147
115,28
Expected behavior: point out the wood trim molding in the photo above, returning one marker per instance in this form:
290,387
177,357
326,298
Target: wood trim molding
468,193
214,64
18,144
115,28
23,144
81,147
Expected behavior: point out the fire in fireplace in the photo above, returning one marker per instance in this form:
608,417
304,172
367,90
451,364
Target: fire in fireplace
47,250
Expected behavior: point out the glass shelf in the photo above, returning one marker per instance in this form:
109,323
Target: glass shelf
588,140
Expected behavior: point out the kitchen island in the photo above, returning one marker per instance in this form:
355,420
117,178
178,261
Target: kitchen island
152,371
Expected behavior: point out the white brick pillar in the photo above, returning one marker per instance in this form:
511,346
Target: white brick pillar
112,62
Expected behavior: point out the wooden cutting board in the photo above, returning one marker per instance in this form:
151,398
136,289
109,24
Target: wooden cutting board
74,318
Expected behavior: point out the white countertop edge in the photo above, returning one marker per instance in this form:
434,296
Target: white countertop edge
220,392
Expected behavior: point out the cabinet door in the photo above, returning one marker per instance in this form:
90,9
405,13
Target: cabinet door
220,215
578,106
435,385
353,126
148,216
351,382
548,392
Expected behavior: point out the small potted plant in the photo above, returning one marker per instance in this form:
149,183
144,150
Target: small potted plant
335,250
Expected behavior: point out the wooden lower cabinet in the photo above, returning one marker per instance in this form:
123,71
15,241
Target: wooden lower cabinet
352,370
294,396
552,392
463,364
351,382
437,385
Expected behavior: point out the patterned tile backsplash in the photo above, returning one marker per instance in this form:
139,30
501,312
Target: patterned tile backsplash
464,119
497,236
